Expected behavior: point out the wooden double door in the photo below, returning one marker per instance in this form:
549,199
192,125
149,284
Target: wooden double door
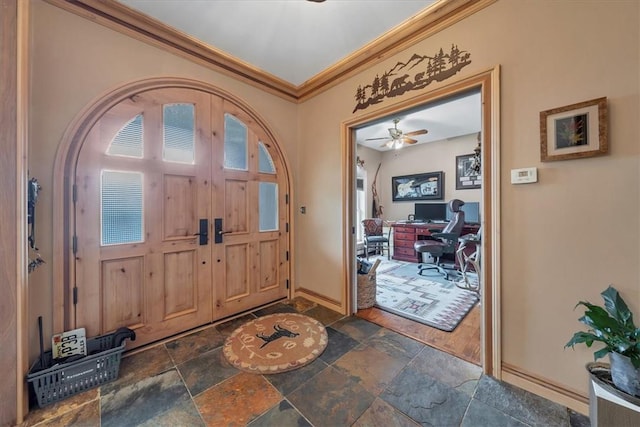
180,216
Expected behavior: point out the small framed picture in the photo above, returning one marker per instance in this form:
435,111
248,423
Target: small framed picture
575,131
466,176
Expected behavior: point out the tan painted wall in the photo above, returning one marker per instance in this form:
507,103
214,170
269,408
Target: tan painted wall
563,239
559,237
74,62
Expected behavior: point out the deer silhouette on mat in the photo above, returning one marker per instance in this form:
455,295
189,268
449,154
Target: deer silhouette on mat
279,333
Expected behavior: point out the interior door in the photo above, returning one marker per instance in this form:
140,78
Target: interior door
179,213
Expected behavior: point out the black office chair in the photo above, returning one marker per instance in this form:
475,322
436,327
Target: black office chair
442,242
374,237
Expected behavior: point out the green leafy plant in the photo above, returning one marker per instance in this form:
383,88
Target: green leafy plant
612,325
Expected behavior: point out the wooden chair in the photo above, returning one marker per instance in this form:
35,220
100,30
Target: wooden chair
374,237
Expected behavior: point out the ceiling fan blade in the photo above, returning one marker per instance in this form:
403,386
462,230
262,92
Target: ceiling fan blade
416,132
375,139
409,140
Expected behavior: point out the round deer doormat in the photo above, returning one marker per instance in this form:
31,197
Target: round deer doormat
276,343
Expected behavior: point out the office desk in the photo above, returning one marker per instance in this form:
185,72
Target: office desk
405,234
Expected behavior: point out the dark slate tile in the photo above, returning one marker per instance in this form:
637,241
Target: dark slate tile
195,344
69,404
395,344
381,414
301,304
373,369
206,370
331,399
323,314
229,326
426,400
286,382
139,402
275,308
448,369
85,415
281,415
338,345
185,414
526,407
481,414
578,420
237,401
140,366
357,328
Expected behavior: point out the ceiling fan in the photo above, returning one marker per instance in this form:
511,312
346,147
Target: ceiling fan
397,138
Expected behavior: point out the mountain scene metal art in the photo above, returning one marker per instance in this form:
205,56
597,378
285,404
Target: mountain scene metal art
399,79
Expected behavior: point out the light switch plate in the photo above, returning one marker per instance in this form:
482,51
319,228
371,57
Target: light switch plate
524,175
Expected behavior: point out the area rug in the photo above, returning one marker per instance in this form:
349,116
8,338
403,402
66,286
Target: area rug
276,343
442,305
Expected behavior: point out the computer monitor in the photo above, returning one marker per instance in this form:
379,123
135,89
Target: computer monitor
471,212
430,211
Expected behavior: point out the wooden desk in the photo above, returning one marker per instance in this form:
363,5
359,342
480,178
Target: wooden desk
405,235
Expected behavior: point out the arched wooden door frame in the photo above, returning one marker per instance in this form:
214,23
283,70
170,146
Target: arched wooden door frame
488,82
65,163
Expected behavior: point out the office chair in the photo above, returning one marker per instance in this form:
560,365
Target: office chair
442,241
374,237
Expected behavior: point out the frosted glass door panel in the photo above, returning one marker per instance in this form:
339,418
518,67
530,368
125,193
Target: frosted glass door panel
179,134
128,140
265,162
121,207
235,143
268,206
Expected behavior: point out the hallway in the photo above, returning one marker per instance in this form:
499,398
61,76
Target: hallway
368,375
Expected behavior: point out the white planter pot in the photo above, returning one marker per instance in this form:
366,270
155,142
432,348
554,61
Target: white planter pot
624,375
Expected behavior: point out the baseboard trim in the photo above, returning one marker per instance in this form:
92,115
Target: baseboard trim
545,388
321,299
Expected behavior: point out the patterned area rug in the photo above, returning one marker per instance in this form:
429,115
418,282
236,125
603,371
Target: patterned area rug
441,304
276,343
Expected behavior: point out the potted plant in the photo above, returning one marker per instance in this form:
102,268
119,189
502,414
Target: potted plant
613,326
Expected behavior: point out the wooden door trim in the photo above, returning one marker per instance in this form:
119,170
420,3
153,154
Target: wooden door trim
14,325
63,173
488,83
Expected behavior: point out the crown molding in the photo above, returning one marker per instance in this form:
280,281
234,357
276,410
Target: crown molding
126,20
431,20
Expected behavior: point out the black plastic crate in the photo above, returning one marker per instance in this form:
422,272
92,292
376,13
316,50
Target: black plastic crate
52,383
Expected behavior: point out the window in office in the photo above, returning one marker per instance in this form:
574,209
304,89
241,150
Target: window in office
361,202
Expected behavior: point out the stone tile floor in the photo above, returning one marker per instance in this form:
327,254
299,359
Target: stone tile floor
367,376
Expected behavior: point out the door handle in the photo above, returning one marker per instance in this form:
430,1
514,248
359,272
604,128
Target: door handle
204,232
218,233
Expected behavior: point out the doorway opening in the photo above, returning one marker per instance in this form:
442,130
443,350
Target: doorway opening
485,316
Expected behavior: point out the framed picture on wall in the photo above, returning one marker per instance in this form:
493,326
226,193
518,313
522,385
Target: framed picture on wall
422,186
466,177
574,131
